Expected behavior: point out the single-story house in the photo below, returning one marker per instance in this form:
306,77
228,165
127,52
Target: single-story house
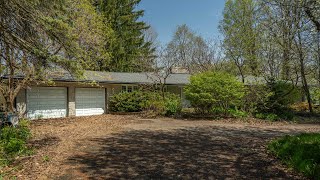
71,97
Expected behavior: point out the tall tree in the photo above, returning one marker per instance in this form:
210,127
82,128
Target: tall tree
129,47
239,27
279,23
37,37
191,51
312,10
90,31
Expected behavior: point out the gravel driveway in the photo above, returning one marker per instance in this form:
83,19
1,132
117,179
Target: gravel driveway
125,147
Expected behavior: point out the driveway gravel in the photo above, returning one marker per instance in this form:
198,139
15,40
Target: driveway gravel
127,147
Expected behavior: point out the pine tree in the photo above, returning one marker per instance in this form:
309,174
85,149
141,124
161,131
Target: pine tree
130,51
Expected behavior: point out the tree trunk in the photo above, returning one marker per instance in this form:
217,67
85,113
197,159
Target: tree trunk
242,75
9,102
304,81
318,49
285,64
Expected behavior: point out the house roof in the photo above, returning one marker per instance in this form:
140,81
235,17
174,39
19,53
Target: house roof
138,78
122,78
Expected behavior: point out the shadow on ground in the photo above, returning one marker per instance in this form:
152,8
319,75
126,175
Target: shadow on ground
44,142
193,153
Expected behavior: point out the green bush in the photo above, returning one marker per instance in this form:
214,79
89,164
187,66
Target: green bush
287,115
154,104
283,95
150,102
214,90
256,98
13,141
260,116
273,99
268,116
172,104
315,95
299,152
272,117
127,102
237,113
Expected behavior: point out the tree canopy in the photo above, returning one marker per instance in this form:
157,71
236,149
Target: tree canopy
37,37
130,50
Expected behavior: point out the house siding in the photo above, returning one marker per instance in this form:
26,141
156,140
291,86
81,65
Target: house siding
71,101
179,90
21,102
174,89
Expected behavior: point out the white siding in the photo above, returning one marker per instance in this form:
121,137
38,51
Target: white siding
46,102
90,101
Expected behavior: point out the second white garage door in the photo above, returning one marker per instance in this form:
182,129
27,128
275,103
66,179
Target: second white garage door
90,101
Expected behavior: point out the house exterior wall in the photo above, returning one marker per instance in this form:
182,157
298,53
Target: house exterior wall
21,102
115,89
179,90
71,101
174,89
185,103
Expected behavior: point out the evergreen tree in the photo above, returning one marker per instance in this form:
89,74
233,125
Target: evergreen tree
130,51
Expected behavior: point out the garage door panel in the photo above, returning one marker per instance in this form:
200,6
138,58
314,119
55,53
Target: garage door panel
90,101
47,102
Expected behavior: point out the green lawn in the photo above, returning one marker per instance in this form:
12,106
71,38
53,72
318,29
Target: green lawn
301,152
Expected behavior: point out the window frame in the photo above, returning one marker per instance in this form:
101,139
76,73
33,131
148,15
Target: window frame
126,87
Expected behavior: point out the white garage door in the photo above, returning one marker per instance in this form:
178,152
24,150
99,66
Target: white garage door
46,102
90,101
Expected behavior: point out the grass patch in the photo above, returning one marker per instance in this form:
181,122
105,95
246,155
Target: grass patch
301,152
13,142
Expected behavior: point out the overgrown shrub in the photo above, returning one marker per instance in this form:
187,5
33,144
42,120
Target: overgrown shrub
256,98
152,103
299,152
238,113
315,95
127,102
272,101
172,104
214,90
283,94
13,141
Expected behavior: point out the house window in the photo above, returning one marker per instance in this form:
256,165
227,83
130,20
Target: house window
124,89
129,88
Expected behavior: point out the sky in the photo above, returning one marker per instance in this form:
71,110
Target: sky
202,16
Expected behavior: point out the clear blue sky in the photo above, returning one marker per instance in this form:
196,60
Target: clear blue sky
164,16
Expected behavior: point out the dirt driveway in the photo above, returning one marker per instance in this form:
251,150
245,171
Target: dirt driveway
126,147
